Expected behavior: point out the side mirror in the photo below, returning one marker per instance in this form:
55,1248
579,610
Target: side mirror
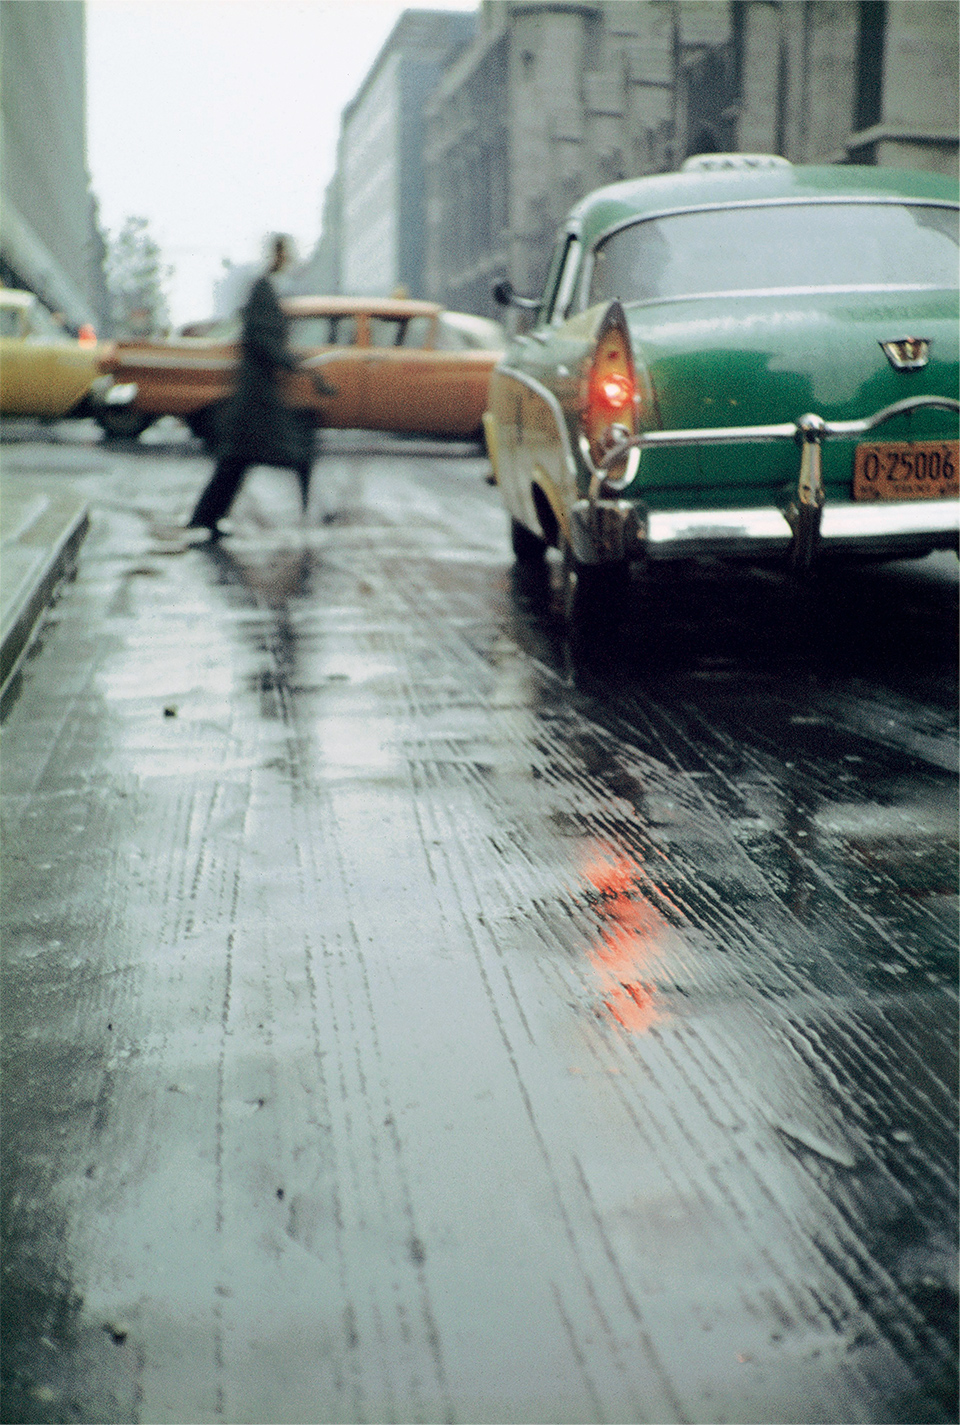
505,296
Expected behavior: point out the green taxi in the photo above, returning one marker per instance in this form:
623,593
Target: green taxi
742,359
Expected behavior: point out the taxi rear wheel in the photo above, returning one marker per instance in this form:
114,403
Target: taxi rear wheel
594,595
528,547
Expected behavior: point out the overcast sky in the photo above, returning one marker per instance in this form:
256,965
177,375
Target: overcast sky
217,120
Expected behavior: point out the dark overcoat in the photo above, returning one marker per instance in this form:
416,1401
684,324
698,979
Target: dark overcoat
259,428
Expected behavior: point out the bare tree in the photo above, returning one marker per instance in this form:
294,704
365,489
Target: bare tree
136,276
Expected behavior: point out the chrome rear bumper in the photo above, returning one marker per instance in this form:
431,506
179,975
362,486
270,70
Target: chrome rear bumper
606,529
903,529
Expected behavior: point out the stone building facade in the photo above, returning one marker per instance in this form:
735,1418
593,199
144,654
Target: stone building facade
552,99
556,97
847,82
446,185
50,242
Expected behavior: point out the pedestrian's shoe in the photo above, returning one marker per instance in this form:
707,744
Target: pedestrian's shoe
180,534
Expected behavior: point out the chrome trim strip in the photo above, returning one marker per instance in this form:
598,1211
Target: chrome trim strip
789,430
842,429
598,477
338,353
567,281
899,200
175,361
709,435
554,407
629,474
838,290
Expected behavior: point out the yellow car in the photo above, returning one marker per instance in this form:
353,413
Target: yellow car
44,371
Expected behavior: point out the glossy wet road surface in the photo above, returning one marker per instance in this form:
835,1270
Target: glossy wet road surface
411,1017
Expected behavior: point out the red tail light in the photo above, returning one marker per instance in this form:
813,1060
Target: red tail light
612,391
86,336
611,404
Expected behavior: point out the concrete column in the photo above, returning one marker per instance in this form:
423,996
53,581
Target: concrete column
760,79
920,85
920,78
546,62
832,78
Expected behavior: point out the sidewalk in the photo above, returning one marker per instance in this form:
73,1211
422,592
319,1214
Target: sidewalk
42,525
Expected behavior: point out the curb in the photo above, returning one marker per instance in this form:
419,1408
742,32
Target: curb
41,530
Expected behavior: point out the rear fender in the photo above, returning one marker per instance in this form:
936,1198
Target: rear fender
550,508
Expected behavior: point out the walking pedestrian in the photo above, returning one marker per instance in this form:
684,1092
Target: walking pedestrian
259,429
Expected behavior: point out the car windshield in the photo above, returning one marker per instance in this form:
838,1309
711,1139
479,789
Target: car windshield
309,331
45,326
400,331
770,248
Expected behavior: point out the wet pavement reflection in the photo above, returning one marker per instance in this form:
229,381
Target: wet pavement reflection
626,954
413,1013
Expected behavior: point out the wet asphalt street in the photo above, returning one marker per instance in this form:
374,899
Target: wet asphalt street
411,1017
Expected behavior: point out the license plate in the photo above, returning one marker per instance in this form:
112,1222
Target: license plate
906,470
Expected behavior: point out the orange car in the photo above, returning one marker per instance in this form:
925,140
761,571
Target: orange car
395,365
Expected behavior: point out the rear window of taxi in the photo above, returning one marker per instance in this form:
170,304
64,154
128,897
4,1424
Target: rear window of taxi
777,248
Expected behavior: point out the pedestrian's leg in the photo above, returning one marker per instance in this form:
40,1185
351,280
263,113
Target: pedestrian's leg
301,441
303,475
218,495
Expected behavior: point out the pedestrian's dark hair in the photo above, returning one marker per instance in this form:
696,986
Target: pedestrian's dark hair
280,250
